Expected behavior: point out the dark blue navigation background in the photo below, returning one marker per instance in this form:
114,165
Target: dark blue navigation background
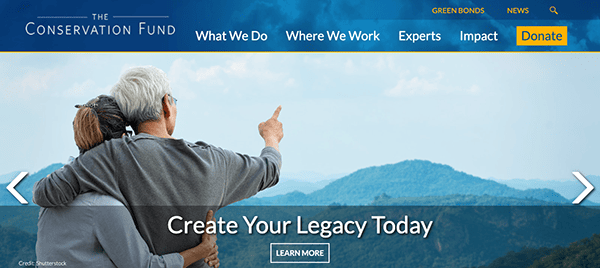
209,26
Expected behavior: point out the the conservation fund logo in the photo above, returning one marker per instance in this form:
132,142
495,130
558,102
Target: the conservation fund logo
99,25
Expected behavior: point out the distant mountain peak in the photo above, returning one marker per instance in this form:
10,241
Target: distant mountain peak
411,178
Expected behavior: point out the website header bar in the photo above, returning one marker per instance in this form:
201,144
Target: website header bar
299,26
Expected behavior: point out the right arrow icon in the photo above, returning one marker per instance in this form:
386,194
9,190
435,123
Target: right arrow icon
588,188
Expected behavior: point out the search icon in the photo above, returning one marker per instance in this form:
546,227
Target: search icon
553,10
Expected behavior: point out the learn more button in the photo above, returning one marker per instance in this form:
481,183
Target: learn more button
300,253
541,35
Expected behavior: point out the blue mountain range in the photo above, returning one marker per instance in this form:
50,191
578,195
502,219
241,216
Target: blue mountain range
411,178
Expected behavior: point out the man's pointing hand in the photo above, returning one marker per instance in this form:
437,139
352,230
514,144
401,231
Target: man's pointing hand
272,130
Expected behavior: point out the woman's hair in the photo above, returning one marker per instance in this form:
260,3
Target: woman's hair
97,121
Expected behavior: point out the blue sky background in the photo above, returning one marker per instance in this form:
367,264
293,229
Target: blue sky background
502,115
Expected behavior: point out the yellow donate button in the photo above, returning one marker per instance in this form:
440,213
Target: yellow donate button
541,35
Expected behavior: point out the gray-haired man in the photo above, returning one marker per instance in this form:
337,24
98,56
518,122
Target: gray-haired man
157,176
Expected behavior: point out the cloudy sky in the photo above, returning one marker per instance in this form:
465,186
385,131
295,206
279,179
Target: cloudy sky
502,115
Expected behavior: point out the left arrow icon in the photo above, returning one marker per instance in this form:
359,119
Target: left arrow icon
11,188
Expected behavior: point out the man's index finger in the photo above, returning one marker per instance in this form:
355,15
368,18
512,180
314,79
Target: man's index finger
276,113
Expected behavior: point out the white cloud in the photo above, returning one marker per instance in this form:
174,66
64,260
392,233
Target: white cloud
312,60
427,82
474,89
205,74
37,80
349,66
290,82
190,77
28,83
237,68
440,75
414,86
181,70
80,89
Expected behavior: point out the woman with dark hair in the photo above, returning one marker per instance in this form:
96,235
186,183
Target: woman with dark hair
97,121
97,230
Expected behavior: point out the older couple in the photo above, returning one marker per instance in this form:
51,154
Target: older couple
153,174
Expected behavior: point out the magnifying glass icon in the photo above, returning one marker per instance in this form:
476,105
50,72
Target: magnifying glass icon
553,10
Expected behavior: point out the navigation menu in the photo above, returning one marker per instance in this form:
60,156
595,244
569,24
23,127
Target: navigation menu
426,39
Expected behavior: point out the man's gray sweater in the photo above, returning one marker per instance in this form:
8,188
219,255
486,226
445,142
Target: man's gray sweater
158,178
